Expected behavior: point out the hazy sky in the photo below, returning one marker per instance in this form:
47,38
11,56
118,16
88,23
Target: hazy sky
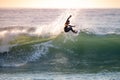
59,3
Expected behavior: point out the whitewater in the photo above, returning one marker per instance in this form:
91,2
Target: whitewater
33,44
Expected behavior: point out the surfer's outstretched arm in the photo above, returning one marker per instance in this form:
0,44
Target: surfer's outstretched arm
68,21
69,17
72,25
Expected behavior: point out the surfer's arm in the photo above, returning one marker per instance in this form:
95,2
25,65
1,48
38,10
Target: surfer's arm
72,25
68,21
69,17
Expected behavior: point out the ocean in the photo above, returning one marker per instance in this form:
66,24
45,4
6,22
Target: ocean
34,46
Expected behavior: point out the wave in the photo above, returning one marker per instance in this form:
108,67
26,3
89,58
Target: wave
67,52
49,48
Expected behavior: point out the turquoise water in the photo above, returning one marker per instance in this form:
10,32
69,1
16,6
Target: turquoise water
35,47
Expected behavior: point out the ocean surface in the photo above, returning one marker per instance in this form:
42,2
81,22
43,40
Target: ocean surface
34,46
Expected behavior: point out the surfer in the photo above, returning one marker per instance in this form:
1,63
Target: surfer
68,27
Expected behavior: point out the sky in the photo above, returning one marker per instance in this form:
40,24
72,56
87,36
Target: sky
59,3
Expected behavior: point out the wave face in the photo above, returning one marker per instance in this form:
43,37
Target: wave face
47,48
66,52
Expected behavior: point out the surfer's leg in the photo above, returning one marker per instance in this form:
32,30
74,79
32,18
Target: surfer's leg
67,29
73,31
70,27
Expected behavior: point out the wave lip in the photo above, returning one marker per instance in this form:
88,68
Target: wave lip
20,55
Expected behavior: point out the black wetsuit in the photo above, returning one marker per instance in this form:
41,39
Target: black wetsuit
68,28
